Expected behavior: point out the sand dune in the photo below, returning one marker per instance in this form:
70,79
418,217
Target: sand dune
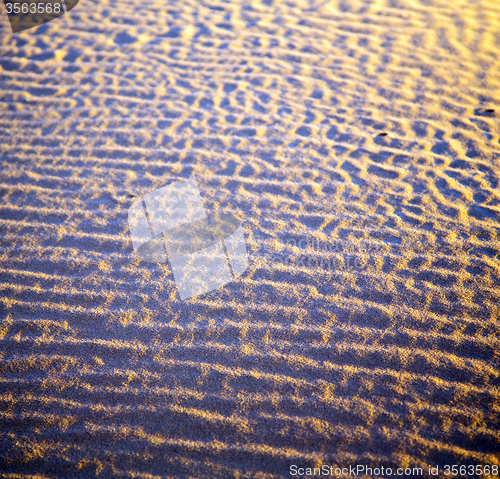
357,142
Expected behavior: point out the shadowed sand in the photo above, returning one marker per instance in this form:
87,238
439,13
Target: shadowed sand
358,144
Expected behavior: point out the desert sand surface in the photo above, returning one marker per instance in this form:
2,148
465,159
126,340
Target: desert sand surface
358,144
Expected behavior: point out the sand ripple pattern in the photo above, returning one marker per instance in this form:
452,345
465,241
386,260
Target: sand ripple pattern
371,125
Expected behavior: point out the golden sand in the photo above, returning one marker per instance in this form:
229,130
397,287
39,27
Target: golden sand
371,126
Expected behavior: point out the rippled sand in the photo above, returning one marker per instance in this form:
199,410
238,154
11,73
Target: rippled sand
371,126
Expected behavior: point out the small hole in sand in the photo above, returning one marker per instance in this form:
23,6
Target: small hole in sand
485,111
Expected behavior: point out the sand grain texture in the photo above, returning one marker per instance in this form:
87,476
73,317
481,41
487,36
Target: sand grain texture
372,126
